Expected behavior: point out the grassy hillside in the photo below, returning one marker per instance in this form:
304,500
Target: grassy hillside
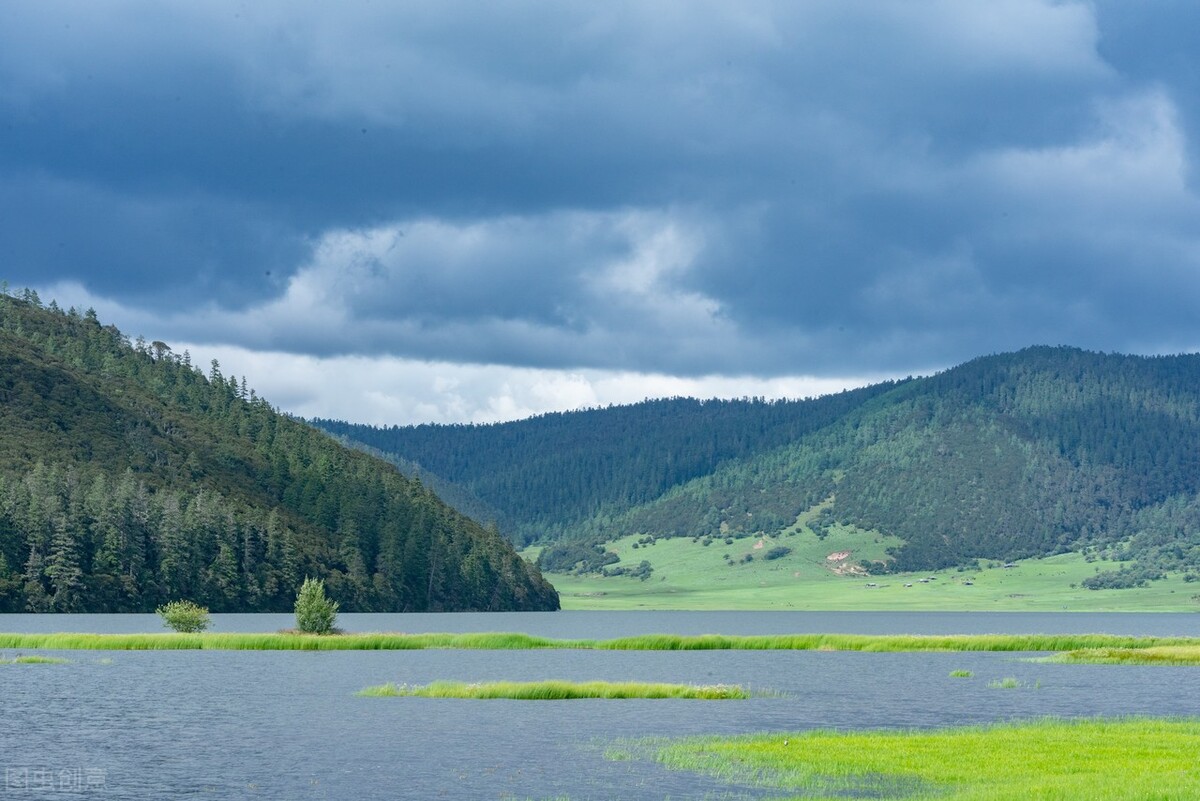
128,477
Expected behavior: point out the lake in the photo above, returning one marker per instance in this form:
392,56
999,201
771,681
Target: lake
286,725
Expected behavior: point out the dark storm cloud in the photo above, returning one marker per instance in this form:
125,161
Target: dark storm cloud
689,188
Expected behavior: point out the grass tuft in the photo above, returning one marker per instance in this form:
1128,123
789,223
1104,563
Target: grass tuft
1008,683
34,659
961,674
555,690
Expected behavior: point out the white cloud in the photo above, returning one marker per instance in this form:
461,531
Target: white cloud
393,391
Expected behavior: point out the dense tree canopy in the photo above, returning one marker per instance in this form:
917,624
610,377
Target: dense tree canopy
129,478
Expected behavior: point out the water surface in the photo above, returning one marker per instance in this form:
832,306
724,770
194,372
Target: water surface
286,725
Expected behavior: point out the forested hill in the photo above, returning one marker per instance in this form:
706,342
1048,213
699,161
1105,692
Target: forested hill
1008,456
552,472
129,477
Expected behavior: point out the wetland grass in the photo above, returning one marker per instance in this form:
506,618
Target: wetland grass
556,690
273,641
1160,655
287,641
1005,684
1045,759
882,643
961,674
34,659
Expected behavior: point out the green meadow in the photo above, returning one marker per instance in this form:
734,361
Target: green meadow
1142,759
556,690
687,574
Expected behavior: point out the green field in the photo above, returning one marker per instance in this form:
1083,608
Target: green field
1104,760
690,575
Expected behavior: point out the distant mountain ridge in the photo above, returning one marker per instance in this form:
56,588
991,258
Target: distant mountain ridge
128,478
1046,450
558,470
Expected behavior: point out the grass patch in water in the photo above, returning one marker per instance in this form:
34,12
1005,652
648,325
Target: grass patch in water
1005,684
1160,655
1095,759
285,641
882,643
961,674
34,659
556,690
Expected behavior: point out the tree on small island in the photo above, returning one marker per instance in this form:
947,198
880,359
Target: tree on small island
315,613
184,616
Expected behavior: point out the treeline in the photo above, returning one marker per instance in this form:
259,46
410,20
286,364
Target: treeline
125,462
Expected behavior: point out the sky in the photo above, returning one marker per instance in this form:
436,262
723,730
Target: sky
405,212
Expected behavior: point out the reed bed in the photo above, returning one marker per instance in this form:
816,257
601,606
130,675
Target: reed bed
1160,655
1133,759
273,641
287,641
889,642
557,690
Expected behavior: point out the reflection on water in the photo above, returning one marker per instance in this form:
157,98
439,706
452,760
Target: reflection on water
144,725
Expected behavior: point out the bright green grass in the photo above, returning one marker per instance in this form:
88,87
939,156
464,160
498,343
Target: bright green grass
34,659
649,642
557,690
688,575
1162,655
1099,760
961,674
274,641
885,642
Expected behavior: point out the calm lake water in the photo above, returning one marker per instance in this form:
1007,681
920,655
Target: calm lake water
283,725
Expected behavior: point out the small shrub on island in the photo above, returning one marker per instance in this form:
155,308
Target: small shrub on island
315,613
184,616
